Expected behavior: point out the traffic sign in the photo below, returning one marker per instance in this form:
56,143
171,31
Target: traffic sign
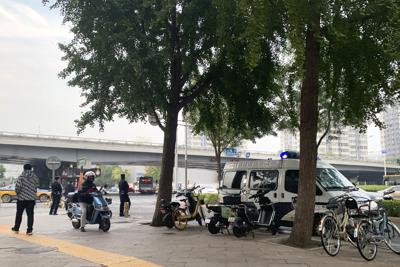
247,155
53,163
231,151
82,163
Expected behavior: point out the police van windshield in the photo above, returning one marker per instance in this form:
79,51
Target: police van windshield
233,179
332,179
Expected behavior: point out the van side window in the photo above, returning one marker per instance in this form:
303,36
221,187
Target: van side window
267,179
233,179
292,182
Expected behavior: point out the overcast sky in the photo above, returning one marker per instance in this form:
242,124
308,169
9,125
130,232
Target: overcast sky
34,100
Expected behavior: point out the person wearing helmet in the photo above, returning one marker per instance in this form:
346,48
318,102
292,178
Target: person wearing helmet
85,198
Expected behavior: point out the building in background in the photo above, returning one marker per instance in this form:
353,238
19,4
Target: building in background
344,143
390,140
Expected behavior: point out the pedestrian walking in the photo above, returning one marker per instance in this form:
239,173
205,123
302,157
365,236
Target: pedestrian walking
26,188
56,191
123,195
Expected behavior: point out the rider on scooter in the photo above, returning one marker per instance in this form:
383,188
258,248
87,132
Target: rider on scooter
85,198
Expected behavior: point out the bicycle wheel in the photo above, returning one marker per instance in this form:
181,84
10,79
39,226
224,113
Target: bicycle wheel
392,236
180,220
365,241
330,238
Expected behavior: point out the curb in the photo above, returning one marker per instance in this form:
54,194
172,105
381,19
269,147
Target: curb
395,219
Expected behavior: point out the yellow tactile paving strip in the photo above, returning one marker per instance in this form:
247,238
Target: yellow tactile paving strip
86,253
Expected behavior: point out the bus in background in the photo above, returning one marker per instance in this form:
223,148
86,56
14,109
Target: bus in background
147,185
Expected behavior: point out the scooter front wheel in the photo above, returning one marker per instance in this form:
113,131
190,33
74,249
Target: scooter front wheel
167,220
212,227
76,223
105,225
239,229
180,220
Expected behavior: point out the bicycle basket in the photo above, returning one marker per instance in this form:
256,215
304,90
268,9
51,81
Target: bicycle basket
351,206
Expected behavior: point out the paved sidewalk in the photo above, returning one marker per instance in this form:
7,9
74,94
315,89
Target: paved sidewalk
193,247
131,242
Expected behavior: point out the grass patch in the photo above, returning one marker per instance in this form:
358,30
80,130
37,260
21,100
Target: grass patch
391,206
373,187
209,198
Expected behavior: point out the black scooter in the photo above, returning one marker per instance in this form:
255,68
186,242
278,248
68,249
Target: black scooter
168,209
224,214
249,218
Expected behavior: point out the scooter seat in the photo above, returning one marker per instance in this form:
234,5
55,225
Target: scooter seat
332,206
215,208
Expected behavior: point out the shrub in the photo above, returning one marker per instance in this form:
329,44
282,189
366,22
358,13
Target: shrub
373,187
209,198
391,206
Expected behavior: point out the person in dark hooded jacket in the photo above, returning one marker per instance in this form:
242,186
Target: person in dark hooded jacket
85,198
26,188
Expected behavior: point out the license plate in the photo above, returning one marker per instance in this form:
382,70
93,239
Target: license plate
207,221
231,219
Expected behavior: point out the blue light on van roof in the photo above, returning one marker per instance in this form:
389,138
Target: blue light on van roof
284,155
289,155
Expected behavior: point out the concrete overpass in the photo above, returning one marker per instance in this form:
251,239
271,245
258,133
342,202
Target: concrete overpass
18,148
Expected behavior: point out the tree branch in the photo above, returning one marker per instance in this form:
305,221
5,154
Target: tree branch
198,88
328,127
162,127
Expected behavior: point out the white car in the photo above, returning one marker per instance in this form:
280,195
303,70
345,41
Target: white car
373,195
209,189
392,192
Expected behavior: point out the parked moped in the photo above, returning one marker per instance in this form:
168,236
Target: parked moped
250,218
168,210
192,210
221,218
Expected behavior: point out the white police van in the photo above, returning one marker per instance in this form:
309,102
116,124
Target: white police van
241,179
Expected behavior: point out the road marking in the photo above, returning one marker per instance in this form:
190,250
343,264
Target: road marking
102,257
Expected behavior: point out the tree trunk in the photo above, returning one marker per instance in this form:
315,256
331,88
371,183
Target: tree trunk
167,165
304,217
219,167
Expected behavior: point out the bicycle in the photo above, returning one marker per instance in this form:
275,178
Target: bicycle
192,211
339,223
376,229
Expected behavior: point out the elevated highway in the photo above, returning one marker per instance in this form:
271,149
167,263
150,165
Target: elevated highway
19,148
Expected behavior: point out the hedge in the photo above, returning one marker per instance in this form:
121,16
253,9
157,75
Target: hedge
391,206
373,187
210,198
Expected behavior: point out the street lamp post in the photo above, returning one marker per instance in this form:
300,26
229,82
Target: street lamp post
176,157
185,157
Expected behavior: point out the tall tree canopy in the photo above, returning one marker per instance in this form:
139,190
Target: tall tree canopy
342,55
134,58
211,115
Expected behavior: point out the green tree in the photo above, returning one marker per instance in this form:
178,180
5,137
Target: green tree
343,55
211,115
110,175
2,171
153,171
134,58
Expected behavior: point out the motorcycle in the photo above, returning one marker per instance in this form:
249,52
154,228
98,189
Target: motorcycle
221,218
250,218
168,209
192,211
98,212
71,200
